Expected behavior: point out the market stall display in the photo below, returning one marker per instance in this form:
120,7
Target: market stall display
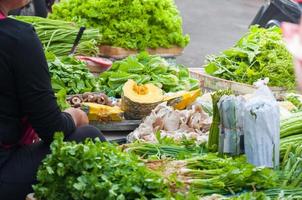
183,144
146,24
174,139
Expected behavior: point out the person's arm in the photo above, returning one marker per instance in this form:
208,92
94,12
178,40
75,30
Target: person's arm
292,35
34,91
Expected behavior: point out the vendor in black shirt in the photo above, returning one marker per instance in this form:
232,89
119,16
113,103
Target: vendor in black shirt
28,107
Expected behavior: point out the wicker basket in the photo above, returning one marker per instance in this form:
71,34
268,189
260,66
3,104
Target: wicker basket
209,84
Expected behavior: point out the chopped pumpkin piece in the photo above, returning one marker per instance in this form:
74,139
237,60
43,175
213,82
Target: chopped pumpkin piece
139,100
97,112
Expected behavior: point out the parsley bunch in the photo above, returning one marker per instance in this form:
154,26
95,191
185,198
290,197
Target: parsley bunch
132,24
260,53
95,170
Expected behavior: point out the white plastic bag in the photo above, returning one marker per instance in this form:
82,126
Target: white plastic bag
261,127
230,130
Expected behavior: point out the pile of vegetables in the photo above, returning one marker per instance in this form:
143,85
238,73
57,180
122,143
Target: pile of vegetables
132,24
290,133
58,36
260,53
292,167
71,75
143,69
210,174
271,194
165,148
95,170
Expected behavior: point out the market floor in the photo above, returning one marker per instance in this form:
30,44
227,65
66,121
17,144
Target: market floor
213,25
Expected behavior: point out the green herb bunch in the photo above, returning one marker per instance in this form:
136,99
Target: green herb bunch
132,24
70,75
95,170
260,53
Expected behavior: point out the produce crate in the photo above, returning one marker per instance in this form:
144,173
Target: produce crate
120,53
209,84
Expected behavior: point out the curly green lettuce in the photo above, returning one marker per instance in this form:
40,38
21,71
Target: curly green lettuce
132,24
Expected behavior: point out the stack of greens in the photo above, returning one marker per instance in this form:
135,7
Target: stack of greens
290,133
292,167
271,194
71,75
132,24
260,53
58,36
145,68
210,174
166,148
95,170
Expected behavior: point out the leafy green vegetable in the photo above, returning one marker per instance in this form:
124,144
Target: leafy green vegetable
260,53
71,75
212,174
145,68
95,170
61,99
132,24
208,174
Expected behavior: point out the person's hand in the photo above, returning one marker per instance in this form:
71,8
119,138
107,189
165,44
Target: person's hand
79,117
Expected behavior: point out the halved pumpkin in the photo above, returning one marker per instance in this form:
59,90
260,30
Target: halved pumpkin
139,100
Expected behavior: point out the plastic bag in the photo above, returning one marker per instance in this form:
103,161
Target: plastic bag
230,130
261,127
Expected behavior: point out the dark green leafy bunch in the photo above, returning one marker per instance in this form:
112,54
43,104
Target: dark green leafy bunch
260,53
210,174
133,24
93,171
70,74
143,69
